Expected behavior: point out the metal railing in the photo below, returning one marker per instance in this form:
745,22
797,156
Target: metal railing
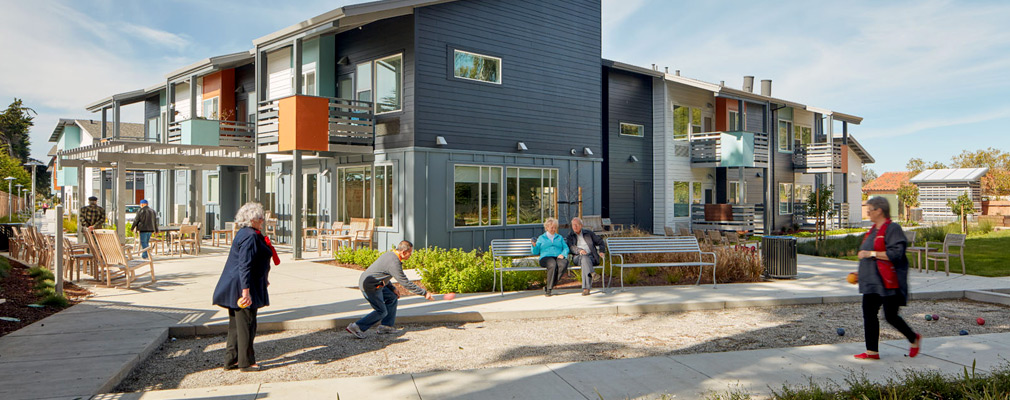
744,217
351,123
818,157
707,148
230,133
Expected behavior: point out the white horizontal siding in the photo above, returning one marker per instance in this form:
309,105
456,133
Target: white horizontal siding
279,74
662,125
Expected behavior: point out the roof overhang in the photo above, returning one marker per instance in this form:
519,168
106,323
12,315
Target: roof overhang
950,175
63,123
212,64
864,156
155,156
852,119
344,18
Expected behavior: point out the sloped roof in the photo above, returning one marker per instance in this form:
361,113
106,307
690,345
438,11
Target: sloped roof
888,182
955,175
126,129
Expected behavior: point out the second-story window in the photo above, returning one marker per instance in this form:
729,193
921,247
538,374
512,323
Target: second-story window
734,121
210,108
309,83
686,121
785,135
388,84
803,135
363,91
632,129
478,67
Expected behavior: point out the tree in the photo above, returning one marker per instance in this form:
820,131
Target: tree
10,166
868,174
908,196
962,207
819,205
15,123
997,181
916,165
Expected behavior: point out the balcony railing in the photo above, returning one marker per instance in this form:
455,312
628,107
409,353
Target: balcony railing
316,124
839,217
729,149
818,158
210,132
741,217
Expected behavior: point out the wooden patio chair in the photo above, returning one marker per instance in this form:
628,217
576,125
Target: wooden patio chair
13,242
945,253
328,237
701,236
732,238
684,232
716,238
364,235
912,248
609,226
115,257
313,234
187,235
669,231
75,257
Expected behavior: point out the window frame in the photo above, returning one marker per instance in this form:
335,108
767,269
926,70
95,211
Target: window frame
341,187
789,188
800,127
213,190
375,84
216,102
480,197
452,66
621,125
789,139
305,83
551,174
391,199
733,118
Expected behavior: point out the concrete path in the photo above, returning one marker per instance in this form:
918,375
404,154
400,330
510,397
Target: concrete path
90,347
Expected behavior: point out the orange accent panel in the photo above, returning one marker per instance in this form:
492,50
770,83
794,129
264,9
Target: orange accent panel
304,123
845,159
221,84
721,115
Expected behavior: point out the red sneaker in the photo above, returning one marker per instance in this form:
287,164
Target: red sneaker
914,350
864,356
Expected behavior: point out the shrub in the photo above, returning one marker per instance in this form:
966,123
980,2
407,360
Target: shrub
631,276
47,283
41,273
70,225
984,226
454,270
673,277
362,257
733,263
841,247
54,300
5,268
45,291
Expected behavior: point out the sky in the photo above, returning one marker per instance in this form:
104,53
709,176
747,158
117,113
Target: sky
930,78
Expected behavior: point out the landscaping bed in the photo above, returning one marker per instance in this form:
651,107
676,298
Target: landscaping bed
18,288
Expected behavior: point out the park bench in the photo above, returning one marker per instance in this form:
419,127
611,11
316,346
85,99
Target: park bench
619,247
502,249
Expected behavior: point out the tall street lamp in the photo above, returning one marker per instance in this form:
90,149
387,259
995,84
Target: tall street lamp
10,198
35,165
21,196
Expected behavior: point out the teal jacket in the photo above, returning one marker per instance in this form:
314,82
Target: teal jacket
550,248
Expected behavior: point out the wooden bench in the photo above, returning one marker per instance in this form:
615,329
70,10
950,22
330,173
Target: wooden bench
508,248
619,247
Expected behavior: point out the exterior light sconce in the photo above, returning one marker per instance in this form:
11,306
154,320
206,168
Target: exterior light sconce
573,152
344,61
440,141
521,146
586,151
757,175
632,158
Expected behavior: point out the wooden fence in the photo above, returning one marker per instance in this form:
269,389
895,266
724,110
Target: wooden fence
17,203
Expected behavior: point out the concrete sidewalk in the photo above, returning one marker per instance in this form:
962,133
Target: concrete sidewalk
90,347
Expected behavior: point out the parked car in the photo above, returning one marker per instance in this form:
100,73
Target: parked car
131,211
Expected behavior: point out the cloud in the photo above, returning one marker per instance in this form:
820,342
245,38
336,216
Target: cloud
934,123
155,36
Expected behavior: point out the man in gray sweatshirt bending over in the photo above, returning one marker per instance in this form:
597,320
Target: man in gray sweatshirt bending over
376,286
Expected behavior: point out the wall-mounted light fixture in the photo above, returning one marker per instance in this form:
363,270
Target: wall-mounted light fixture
586,151
440,141
758,175
632,158
521,146
344,61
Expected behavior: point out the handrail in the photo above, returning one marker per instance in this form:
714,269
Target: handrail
706,147
231,133
350,122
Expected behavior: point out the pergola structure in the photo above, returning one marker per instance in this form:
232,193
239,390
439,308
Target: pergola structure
124,155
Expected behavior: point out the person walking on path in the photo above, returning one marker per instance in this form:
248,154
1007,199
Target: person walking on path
92,215
377,287
552,250
583,244
242,288
883,278
146,224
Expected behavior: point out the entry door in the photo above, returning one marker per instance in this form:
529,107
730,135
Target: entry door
643,205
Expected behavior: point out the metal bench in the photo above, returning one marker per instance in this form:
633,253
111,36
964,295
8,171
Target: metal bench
503,248
618,247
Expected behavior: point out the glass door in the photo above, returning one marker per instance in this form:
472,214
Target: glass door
310,200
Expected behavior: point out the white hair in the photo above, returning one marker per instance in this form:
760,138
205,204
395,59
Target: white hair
550,221
248,213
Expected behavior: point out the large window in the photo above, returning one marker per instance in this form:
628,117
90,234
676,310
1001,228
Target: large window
632,129
686,121
531,195
213,189
309,83
785,198
803,135
802,193
477,196
384,195
363,91
737,192
681,199
476,67
388,84
271,192
734,121
153,128
210,108
697,193
354,189
785,135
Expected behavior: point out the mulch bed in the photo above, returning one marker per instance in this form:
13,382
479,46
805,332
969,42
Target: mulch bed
17,289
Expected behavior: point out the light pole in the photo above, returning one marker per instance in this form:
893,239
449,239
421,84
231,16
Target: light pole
21,196
35,165
10,198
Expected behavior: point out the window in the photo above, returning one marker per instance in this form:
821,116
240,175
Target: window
153,128
686,121
210,108
213,189
388,84
271,192
802,193
477,196
734,121
363,92
785,135
476,67
243,188
309,83
737,192
384,195
803,135
531,195
785,198
354,189
697,193
681,199
632,130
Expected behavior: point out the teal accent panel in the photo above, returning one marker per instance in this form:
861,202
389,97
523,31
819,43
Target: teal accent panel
737,149
310,51
201,132
786,114
67,176
162,98
71,138
326,69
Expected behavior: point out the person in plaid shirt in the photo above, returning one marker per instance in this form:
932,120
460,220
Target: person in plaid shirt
92,216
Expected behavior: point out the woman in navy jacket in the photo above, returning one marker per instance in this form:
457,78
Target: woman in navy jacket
242,288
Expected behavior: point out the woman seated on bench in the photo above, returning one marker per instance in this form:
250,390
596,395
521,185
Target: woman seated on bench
552,250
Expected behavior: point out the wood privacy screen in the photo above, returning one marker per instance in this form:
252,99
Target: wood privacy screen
16,203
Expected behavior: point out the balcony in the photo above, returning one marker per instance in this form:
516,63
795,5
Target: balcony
210,132
727,217
312,123
729,149
817,158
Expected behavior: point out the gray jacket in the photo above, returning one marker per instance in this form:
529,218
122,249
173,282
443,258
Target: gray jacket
146,220
869,278
382,271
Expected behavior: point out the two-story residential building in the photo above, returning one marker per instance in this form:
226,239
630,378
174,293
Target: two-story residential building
676,148
71,134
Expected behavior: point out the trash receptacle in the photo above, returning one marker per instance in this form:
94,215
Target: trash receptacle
779,254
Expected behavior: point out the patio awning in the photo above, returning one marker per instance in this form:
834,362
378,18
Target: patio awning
135,155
